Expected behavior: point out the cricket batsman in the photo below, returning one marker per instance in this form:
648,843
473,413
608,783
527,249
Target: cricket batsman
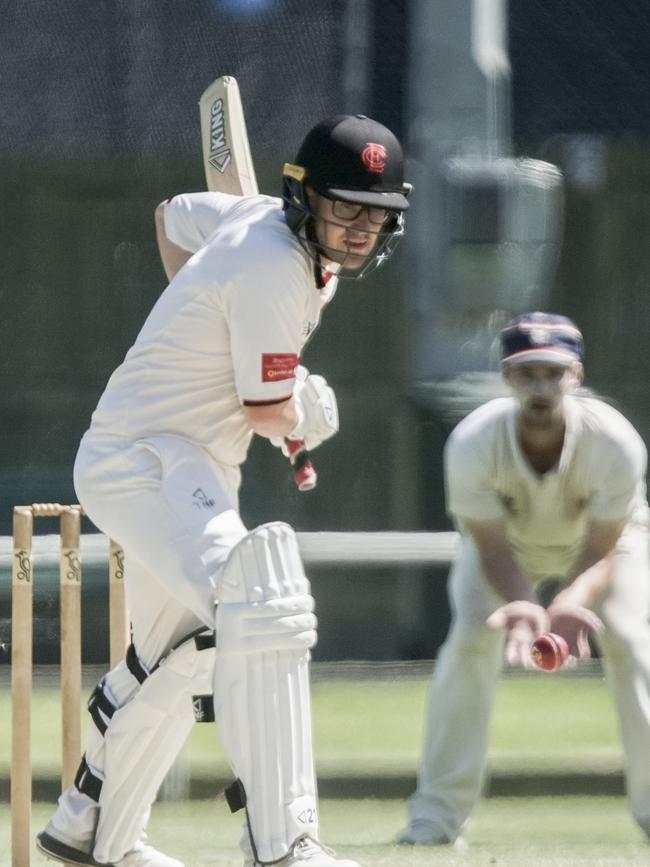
158,471
545,484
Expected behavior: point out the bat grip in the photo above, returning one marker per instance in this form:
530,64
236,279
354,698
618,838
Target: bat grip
304,474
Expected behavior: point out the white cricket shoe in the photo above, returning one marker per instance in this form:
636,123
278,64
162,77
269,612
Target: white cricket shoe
72,852
143,855
307,852
421,832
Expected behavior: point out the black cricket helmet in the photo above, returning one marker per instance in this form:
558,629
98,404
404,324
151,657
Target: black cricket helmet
353,159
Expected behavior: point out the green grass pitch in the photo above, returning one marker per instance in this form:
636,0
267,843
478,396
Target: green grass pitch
506,832
372,728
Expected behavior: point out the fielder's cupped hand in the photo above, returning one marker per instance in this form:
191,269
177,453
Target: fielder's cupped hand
524,621
573,623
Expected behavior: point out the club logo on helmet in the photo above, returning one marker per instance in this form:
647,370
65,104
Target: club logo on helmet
374,157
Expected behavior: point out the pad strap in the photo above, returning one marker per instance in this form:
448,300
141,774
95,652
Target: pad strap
100,708
202,641
86,782
235,796
134,665
205,640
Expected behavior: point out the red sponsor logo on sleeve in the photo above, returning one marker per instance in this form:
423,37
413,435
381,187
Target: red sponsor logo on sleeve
278,365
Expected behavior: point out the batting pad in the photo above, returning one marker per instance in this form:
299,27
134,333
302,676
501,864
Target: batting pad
265,627
140,745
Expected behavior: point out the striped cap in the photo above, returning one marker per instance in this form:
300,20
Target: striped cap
545,338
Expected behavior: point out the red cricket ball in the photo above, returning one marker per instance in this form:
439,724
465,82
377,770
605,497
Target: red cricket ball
549,652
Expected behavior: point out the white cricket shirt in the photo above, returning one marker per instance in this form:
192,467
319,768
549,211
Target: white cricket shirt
228,330
600,475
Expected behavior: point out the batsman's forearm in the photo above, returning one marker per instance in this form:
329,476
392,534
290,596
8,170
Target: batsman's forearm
172,256
272,420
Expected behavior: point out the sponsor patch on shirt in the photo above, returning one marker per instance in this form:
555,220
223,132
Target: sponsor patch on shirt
278,365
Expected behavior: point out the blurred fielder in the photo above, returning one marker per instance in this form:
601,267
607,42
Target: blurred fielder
158,471
542,484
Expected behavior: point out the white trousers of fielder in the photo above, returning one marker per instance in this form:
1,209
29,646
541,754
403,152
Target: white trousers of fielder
463,686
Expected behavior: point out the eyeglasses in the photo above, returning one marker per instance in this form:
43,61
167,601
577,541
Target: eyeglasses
351,211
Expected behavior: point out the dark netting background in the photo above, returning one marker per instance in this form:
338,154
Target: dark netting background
99,123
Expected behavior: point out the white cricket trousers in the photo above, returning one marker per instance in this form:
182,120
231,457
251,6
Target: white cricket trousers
464,681
174,512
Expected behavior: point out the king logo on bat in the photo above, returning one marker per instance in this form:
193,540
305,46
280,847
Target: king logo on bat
219,150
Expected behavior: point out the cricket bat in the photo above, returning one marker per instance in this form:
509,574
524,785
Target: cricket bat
229,169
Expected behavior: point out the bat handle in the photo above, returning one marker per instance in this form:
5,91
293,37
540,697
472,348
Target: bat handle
304,474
